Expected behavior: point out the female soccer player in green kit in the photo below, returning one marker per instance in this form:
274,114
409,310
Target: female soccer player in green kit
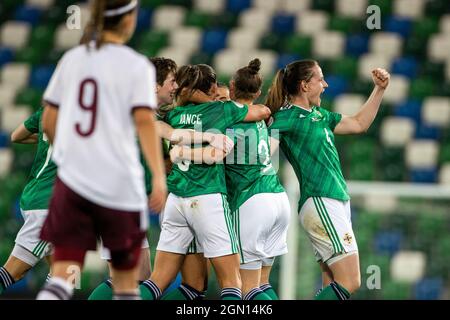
306,136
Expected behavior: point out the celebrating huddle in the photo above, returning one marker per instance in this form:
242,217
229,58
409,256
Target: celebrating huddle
112,116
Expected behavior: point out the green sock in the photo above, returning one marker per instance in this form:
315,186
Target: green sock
104,291
333,292
149,290
256,294
267,288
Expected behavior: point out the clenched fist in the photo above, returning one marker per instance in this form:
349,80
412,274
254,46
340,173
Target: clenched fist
380,77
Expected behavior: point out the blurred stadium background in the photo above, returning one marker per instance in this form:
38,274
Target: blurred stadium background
399,170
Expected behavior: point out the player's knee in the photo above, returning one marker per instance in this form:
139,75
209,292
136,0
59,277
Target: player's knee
125,259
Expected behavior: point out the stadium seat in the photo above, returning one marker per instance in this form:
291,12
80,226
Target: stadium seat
428,289
385,6
444,174
425,131
4,139
396,131
405,66
201,57
41,4
394,290
30,97
284,59
422,154
388,242
213,40
181,57
328,44
243,38
225,20
7,95
255,19
416,46
268,60
439,47
6,55
444,154
311,22
12,116
447,70
388,44
151,42
380,204
66,38
356,44
199,19
346,66
143,20
397,91
436,7
410,109
209,6
423,175
6,158
15,74
345,24
408,266
297,44
238,5
324,5
15,34
295,6
370,61
409,8
422,87
33,55
425,27
271,41
348,103
28,14
168,17
40,76
399,25
444,24
336,85
227,61
186,38
349,8
283,23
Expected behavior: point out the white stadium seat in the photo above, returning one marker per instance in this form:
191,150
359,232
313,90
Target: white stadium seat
6,160
311,22
436,111
439,47
168,17
421,154
396,131
295,6
15,34
328,44
409,8
398,89
444,174
266,5
181,57
268,59
370,61
67,38
380,203
348,104
41,4
255,19
15,74
351,8
243,38
12,116
444,24
408,266
7,95
188,38
447,69
209,6
386,43
227,61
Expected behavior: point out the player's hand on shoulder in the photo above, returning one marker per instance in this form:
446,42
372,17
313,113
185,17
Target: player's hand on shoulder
381,77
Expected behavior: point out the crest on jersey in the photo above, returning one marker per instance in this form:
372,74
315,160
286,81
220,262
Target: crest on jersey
348,239
194,204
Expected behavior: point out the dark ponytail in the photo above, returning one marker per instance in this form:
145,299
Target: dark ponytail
248,81
287,81
194,77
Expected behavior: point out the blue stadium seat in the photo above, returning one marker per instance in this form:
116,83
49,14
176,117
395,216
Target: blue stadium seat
336,86
424,131
424,175
4,139
428,289
388,242
143,19
28,14
6,55
283,23
286,58
214,40
238,5
406,66
402,26
356,44
410,109
40,76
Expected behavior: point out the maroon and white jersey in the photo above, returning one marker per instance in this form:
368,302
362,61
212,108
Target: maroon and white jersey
95,145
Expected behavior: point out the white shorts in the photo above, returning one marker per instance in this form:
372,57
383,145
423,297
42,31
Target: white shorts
261,223
29,236
329,227
105,254
207,217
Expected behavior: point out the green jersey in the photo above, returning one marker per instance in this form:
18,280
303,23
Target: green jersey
147,172
248,168
188,179
38,191
307,140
